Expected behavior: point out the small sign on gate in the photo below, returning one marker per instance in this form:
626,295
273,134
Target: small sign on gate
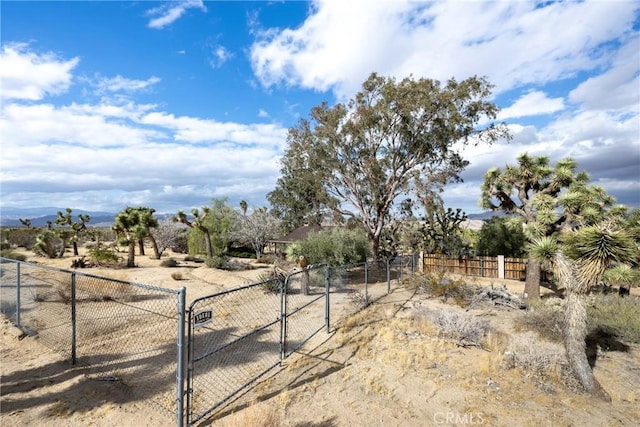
202,318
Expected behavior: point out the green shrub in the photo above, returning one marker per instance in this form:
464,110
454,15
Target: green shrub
104,256
216,262
609,314
615,316
336,247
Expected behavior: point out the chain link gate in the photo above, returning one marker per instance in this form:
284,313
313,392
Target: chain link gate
238,335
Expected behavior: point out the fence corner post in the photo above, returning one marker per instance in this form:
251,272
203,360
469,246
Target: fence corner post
180,370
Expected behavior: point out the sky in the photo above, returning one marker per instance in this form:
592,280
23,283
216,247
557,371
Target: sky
109,104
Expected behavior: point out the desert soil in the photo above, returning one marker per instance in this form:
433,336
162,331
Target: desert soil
384,366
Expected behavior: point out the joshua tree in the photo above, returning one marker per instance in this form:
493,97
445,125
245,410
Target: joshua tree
547,200
198,222
77,227
578,263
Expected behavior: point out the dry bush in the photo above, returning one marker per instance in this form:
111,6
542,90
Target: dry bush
176,276
439,285
88,288
169,263
254,416
544,318
533,355
465,329
358,299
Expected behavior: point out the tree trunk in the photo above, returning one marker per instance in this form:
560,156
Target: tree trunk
375,245
575,334
131,257
141,246
154,245
207,241
532,281
75,248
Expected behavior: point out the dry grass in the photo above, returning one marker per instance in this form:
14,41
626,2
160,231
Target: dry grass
257,415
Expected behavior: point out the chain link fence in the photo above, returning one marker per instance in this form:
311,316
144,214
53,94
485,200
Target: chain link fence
354,287
135,333
114,330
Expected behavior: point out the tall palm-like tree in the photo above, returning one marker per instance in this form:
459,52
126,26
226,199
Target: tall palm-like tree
579,262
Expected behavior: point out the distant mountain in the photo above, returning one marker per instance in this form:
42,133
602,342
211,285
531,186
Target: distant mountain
10,217
486,215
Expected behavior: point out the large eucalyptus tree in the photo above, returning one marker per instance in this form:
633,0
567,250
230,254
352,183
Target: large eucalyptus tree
392,138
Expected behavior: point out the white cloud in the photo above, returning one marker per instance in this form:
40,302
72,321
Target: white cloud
532,104
513,43
220,56
263,114
30,76
195,130
121,84
169,12
618,87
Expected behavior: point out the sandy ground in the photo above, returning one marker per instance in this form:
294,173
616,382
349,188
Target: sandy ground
383,366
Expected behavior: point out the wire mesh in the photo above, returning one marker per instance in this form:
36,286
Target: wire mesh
116,330
235,337
304,307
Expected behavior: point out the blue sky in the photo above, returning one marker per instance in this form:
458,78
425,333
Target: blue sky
170,104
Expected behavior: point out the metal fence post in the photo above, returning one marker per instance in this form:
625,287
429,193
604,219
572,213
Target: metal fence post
180,378
327,306
283,318
366,283
18,296
388,275
73,319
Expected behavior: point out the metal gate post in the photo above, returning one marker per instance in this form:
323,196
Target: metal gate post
18,296
73,319
180,377
327,306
